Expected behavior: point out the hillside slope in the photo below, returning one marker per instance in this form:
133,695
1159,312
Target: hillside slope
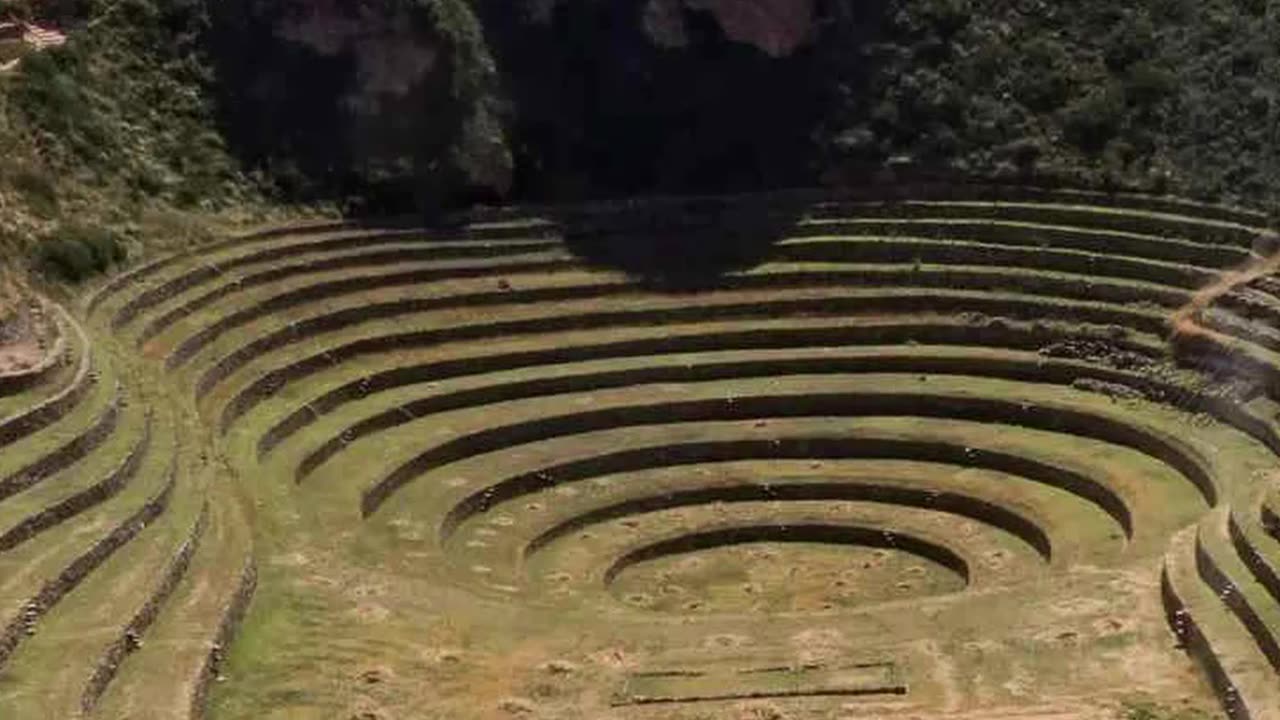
159,118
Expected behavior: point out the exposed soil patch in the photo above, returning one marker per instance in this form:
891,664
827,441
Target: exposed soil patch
20,354
24,337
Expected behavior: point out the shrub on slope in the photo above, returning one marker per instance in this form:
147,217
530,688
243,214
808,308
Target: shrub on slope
1162,94
115,130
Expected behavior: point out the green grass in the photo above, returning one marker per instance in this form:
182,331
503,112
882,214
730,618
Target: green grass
89,472
51,667
83,416
1149,710
1227,639
155,682
382,615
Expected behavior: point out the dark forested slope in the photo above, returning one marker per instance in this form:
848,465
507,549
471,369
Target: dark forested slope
402,104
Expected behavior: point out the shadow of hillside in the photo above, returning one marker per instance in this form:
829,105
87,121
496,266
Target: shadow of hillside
679,244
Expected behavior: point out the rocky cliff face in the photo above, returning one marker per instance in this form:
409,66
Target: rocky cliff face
384,57
390,55
776,27
390,99
657,95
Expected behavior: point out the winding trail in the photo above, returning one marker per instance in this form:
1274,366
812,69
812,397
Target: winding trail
1185,319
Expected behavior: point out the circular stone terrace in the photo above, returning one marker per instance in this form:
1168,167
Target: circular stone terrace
968,453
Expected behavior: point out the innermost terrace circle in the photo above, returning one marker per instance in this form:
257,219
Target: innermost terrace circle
772,569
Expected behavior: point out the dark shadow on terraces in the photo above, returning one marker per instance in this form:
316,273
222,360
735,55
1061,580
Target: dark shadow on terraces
680,244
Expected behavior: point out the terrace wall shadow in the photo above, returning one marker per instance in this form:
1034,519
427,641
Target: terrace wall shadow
1236,601
1197,646
1262,567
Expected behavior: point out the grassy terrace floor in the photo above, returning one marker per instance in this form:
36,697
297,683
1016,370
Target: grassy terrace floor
726,457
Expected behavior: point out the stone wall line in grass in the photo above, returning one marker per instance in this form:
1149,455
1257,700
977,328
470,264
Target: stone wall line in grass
887,277
1157,216
85,441
1027,235
1261,566
141,272
236,285
237,608
1213,350
960,335
1034,369
1164,448
939,302
208,270
53,591
802,447
888,251
1111,218
1197,645
131,637
1270,521
947,251
844,197
55,407
106,488
373,251
1231,596
327,290
974,508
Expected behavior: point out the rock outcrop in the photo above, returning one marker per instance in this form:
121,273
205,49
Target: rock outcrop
393,95
777,27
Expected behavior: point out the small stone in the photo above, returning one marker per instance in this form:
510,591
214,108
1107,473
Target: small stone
763,711
449,656
516,706
560,667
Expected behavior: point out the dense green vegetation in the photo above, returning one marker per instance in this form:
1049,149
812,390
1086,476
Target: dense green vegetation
1162,94
112,136
188,109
